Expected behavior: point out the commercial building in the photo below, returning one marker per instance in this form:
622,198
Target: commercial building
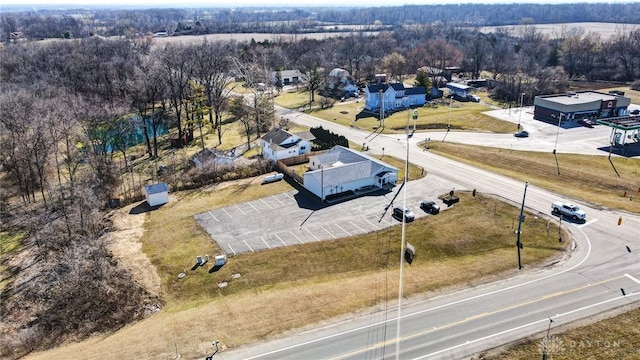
589,104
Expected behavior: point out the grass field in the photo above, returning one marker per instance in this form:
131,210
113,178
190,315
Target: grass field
339,276
593,179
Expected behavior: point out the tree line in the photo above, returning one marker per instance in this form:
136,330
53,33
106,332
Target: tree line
67,108
79,23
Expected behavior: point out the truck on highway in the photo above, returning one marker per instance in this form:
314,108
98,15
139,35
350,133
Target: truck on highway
568,210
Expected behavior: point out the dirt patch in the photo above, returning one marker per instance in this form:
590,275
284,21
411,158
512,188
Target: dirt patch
126,247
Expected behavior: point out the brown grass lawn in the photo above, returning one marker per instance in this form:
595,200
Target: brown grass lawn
613,338
461,116
338,276
591,178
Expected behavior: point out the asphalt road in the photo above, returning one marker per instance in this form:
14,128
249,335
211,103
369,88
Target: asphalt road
599,275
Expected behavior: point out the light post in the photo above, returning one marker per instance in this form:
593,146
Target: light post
520,115
520,220
545,344
555,146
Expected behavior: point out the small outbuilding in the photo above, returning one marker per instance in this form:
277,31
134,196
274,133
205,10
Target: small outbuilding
157,194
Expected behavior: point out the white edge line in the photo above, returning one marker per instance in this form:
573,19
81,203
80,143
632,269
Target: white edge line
525,325
442,306
632,278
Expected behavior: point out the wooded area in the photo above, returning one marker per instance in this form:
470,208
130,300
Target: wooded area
68,106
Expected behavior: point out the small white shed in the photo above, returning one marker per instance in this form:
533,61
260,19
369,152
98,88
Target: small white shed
157,194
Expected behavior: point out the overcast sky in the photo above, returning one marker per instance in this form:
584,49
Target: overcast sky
291,3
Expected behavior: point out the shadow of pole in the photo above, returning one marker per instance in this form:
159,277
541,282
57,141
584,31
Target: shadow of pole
557,164
611,162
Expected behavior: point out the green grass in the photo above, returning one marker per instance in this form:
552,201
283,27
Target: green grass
9,243
591,178
292,99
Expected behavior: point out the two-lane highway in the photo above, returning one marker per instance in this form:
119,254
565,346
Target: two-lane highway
600,275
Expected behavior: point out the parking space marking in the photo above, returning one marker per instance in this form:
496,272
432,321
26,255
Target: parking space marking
357,227
238,207
266,203
278,200
289,196
333,236
254,208
233,251
214,218
245,242
226,212
283,243
269,247
294,235
310,233
372,224
346,232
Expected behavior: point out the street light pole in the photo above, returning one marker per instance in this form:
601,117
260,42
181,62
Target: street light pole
555,146
520,220
520,114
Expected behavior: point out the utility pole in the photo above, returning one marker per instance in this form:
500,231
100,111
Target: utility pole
520,220
520,114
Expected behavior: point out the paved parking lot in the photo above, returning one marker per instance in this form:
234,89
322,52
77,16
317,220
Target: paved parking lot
295,217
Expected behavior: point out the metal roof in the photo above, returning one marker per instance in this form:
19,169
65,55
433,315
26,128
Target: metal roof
626,123
157,188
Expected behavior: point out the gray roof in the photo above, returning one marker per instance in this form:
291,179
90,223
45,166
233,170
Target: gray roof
277,136
156,188
342,165
305,135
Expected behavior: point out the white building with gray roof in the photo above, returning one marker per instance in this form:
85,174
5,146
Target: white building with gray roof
343,170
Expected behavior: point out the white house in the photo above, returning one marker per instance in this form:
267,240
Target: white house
288,77
340,80
393,97
342,170
279,144
157,194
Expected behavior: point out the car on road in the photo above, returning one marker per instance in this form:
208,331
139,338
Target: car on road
586,123
521,134
430,206
408,214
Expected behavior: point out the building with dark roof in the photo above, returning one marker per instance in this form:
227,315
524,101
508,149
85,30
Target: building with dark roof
588,104
279,144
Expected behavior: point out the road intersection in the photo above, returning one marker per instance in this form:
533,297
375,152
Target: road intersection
600,274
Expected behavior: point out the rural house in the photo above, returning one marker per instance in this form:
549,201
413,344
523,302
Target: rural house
341,84
288,77
343,170
279,144
393,97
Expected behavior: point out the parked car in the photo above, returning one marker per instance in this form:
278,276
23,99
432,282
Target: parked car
521,134
635,112
408,214
430,206
586,122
